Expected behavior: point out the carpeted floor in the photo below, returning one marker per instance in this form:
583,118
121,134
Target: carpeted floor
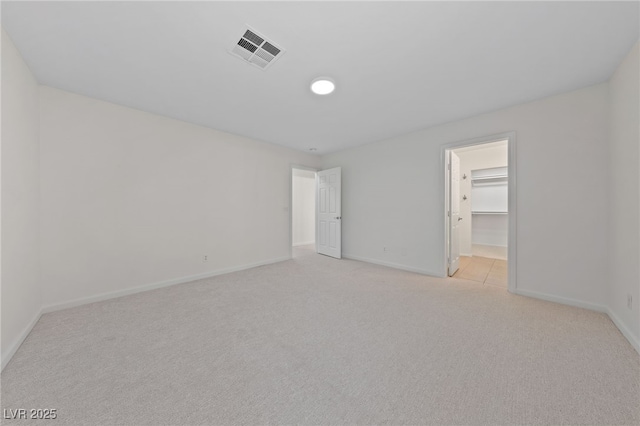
315,340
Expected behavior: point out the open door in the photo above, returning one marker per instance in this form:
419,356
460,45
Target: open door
329,217
454,213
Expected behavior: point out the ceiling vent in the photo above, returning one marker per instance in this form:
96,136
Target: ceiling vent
256,49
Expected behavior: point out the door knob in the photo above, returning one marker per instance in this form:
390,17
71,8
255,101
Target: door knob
459,219
338,217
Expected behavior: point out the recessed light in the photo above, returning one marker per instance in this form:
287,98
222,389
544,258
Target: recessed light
322,86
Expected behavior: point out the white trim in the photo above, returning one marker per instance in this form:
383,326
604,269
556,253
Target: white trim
489,245
634,340
153,286
393,265
562,300
512,258
304,244
444,197
13,348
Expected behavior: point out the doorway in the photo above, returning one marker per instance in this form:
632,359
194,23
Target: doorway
480,210
303,211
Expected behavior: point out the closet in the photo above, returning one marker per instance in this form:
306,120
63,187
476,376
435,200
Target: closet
489,206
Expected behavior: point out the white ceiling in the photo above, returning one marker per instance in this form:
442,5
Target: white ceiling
399,66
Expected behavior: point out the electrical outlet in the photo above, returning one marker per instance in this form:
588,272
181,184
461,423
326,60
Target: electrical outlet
205,258
629,301
385,249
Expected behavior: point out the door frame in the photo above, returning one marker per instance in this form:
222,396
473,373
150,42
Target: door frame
291,169
451,224
510,137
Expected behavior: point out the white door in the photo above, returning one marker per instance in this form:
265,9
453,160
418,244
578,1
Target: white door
454,213
328,219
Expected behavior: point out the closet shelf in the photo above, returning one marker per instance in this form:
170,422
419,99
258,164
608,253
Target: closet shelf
490,179
486,212
501,176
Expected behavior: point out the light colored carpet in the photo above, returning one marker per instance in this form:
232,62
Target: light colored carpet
315,340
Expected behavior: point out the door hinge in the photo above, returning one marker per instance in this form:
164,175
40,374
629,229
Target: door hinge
448,214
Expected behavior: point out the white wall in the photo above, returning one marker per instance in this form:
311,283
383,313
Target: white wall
490,230
134,199
304,207
21,296
131,199
393,195
475,159
624,190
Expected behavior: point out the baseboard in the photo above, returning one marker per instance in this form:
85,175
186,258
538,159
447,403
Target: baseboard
13,348
562,300
304,244
139,289
634,340
466,254
393,265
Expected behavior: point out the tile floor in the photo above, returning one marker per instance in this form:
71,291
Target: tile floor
484,270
